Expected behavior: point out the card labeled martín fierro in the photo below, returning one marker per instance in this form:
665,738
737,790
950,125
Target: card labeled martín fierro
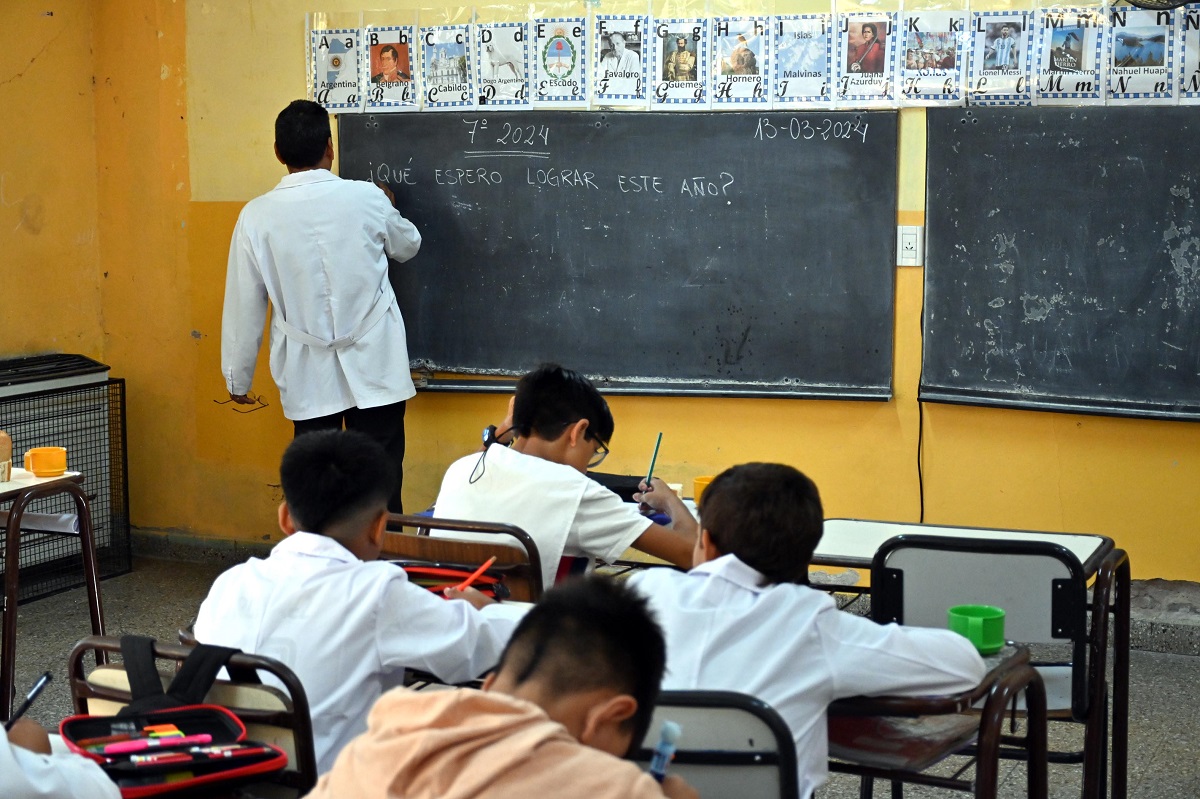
560,62
502,64
621,42
932,64
389,64
803,63
1001,44
1142,53
741,56
447,73
1070,71
680,64
334,73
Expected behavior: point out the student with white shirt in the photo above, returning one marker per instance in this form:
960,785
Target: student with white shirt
346,624
316,247
28,770
532,473
744,618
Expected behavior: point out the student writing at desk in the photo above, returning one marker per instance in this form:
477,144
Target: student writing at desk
346,624
744,619
558,427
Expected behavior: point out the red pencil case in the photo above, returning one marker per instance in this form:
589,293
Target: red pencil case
161,766
437,577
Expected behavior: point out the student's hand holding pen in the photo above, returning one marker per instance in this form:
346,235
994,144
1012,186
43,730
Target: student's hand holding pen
658,496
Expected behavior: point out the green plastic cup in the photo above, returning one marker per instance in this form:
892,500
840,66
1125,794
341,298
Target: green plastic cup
982,625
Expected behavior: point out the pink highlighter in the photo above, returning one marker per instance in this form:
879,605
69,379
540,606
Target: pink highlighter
141,744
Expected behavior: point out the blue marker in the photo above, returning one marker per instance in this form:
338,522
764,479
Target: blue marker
668,736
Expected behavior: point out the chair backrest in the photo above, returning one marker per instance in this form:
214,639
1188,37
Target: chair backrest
1040,586
271,715
516,552
731,744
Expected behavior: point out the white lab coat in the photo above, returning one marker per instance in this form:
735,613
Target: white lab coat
29,775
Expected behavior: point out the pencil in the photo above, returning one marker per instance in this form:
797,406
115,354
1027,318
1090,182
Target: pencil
653,458
467,582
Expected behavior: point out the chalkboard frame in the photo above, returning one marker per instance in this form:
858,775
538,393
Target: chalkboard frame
381,146
1040,300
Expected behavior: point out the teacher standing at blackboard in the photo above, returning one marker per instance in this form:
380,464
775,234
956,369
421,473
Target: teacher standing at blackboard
316,247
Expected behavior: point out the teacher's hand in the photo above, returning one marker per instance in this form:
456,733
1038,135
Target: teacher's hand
388,191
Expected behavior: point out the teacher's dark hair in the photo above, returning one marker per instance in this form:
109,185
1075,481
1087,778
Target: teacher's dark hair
767,514
551,398
302,133
591,633
332,476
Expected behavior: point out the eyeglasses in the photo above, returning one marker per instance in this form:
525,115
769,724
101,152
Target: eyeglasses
599,456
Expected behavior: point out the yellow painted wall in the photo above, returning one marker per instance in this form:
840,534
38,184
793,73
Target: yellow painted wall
181,119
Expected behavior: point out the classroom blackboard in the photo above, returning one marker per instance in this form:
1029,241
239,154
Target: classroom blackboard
1063,260
716,253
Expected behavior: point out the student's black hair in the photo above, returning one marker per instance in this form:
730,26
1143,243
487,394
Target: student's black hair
550,399
588,633
767,514
331,475
389,49
301,133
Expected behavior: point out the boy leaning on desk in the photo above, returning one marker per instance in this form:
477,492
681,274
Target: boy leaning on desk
744,618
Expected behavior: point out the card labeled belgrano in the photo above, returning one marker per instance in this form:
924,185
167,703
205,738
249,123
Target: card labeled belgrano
1001,48
335,67
868,56
803,63
446,70
621,42
502,64
1187,33
1070,70
389,64
1141,53
680,63
741,49
932,63
560,65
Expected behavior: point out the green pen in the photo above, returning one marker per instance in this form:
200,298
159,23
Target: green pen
653,458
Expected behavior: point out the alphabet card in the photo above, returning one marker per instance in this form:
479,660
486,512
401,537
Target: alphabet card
560,65
1188,36
447,74
620,60
1001,47
1070,70
803,62
868,58
334,74
680,63
932,64
741,55
389,68
502,64
1141,55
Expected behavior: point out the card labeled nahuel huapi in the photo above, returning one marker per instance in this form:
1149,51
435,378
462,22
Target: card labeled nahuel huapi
335,67
1001,48
803,62
932,57
680,63
447,75
560,62
389,63
620,59
741,55
1070,70
502,64
1142,58
868,54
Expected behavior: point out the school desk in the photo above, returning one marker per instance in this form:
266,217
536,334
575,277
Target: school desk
21,490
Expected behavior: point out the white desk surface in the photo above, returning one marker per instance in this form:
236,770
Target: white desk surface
853,542
22,479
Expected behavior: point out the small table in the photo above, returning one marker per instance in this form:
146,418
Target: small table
899,737
21,490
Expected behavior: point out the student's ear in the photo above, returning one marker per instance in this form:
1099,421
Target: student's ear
329,151
576,432
489,680
708,547
286,523
280,157
602,726
377,529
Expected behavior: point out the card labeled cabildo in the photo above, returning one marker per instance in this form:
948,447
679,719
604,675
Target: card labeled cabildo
741,55
334,72
803,63
1069,65
680,63
447,74
1142,55
1001,44
502,64
932,67
389,63
560,65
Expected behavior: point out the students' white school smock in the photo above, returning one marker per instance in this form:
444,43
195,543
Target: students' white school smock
317,247
348,628
566,512
29,775
790,646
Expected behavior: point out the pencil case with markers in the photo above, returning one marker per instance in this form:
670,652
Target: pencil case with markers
437,577
195,750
